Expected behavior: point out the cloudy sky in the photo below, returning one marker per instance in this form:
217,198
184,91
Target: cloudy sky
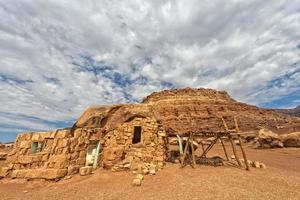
59,56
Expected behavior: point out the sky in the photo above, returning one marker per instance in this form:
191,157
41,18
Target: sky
57,57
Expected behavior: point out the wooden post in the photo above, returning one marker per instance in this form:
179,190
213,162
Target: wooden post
224,124
225,151
185,151
241,145
209,148
234,150
192,147
202,147
244,154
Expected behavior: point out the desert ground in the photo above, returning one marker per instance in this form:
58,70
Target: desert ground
281,180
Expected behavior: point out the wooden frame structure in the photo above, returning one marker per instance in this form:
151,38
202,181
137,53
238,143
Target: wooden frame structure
229,134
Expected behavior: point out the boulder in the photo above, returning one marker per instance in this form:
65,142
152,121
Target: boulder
268,139
291,139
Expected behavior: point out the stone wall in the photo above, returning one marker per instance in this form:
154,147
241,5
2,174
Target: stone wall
64,151
119,152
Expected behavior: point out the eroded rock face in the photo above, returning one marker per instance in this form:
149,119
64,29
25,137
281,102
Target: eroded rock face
182,110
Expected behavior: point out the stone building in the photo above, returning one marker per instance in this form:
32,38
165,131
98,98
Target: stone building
131,136
120,137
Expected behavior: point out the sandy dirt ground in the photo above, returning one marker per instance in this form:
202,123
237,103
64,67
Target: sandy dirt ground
281,180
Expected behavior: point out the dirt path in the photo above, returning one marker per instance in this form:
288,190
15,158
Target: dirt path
281,180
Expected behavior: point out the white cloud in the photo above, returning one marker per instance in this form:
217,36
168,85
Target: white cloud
238,46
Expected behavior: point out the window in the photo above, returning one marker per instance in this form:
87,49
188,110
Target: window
37,147
137,134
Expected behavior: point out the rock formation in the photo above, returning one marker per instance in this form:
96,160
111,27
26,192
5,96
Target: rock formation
293,112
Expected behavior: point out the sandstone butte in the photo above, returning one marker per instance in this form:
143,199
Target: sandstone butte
132,136
183,110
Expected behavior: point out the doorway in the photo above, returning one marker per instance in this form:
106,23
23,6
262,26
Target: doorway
92,154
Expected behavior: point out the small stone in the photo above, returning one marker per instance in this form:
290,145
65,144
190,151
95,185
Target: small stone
250,162
152,169
25,191
232,157
140,176
145,171
256,164
262,166
136,182
176,161
85,170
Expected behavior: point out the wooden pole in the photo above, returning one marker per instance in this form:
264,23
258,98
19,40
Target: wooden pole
202,147
225,151
244,154
192,147
234,151
209,148
185,151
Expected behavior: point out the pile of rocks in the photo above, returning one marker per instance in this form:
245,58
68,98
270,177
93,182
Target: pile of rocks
252,163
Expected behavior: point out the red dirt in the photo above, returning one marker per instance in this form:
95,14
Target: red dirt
281,180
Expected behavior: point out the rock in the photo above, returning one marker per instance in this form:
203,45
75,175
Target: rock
85,170
233,157
262,165
268,139
3,156
276,144
73,169
50,174
152,169
250,162
291,139
145,171
136,182
139,176
256,164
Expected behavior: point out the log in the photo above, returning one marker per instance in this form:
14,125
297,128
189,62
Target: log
244,154
234,151
193,154
225,151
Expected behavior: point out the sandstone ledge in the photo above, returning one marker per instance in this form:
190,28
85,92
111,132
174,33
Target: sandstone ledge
39,173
